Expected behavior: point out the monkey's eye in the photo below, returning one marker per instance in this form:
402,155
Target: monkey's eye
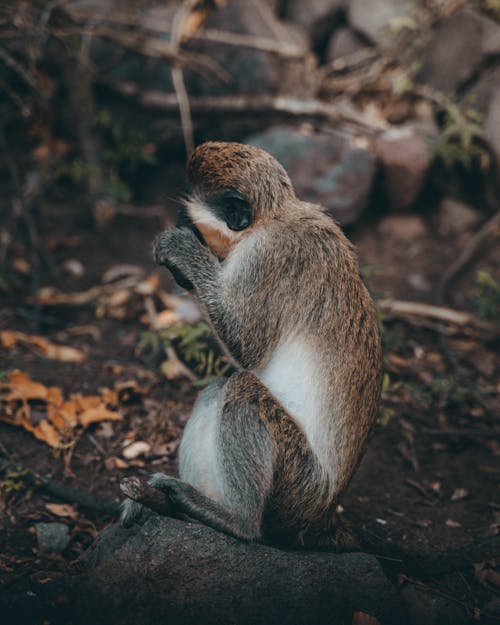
233,209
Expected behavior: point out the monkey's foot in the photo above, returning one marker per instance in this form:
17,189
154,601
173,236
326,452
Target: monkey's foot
140,494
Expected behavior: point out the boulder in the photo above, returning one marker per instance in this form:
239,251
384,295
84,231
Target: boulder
455,217
252,70
405,159
457,48
492,123
316,17
326,168
167,570
378,19
343,42
403,229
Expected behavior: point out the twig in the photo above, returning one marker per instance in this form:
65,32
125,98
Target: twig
266,44
247,105
471,249
67,493
418,309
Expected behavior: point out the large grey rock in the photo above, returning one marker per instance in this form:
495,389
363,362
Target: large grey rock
52,537
314,16
405,160
458,46
252,70
492,124
342,43
168,571
455,217
325,167
375,18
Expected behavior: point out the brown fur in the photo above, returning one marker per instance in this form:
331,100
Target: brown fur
290,281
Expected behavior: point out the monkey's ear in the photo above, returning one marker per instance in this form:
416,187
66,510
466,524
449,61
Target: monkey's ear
185,221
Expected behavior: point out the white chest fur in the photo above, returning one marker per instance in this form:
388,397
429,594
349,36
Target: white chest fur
294,377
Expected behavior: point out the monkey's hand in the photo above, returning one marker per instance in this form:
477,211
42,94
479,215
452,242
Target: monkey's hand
182,253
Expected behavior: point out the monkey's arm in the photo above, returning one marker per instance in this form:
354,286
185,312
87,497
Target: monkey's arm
236,309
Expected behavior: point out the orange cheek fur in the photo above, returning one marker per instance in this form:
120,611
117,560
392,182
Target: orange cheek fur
219,243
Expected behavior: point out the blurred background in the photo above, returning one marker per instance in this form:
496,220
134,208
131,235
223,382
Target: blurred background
385,112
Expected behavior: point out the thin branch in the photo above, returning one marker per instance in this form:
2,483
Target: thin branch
247,105
417,309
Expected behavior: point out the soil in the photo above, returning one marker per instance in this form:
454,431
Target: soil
429,482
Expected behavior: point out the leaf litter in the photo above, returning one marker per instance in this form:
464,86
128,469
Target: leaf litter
47,414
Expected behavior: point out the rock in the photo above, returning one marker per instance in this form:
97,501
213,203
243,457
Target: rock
403,228
458,46
343,42
373,18
405,160
432,609
52,537
250,70
194,574
492,124
456,217
325,167
316,17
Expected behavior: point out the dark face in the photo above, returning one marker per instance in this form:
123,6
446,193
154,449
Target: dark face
232,208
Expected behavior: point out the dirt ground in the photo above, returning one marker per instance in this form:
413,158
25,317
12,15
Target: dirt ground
428,484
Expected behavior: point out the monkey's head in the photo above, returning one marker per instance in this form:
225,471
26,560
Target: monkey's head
235,187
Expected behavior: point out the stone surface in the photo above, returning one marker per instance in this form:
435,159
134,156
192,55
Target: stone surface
403,228
52,537
456,217
251,70
428,609
314,16
182,573
325,168
458,46
492,123
373,17
343,42
405,160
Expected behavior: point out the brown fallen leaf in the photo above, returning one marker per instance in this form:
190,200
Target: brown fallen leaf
134,450
21,387
62,509
100,413
452,523
65,353
459,493
47,433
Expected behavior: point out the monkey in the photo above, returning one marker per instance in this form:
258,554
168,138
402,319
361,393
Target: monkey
268,452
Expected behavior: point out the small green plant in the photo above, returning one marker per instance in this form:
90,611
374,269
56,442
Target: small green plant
126,148
487,296
124,151
461,142
14,481
194,345
493,7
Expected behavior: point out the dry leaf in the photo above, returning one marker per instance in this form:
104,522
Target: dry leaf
459,493
10,338
95,415
47,433
139,448
451,523
166,318
113,462
22,387
62,509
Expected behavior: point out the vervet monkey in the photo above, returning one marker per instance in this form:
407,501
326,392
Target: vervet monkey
268,451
